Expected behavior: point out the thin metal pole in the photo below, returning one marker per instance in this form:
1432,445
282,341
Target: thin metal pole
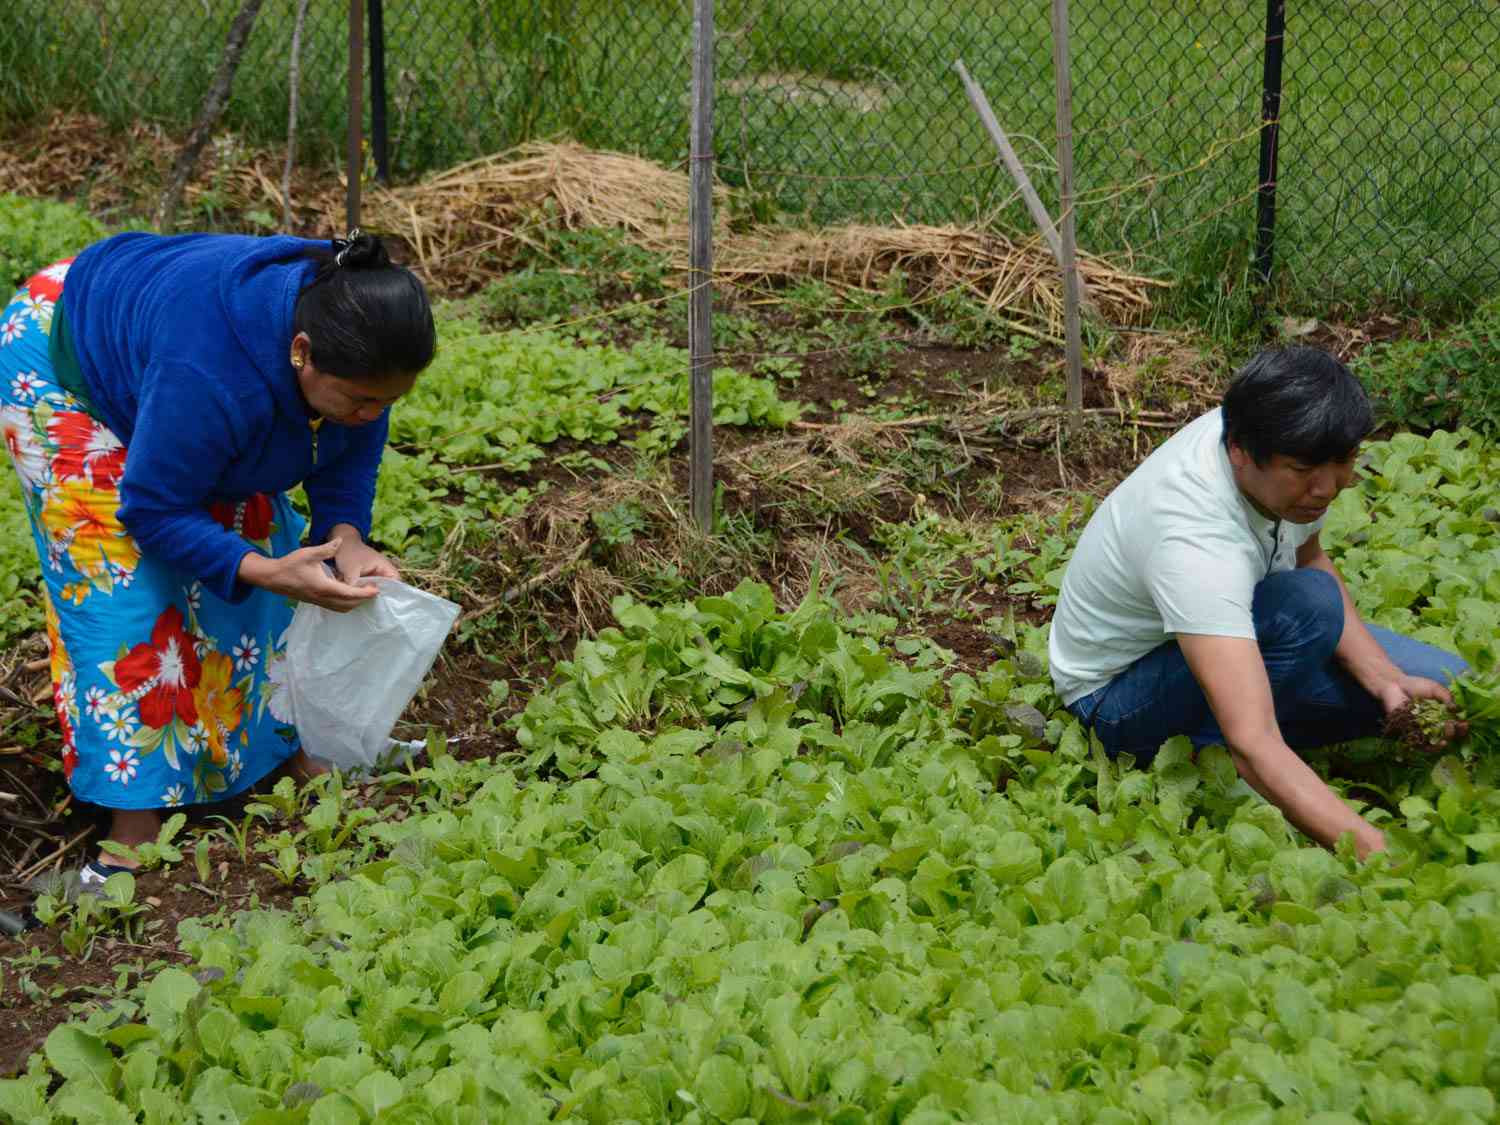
1007,151
1073,329
700,253
354,156
1270,136
1017,170
294,95
377,91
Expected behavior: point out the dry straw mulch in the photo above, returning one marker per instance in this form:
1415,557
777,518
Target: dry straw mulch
454,219
464,222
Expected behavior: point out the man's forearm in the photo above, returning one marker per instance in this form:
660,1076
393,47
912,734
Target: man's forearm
1233,676
1273,769
1358,650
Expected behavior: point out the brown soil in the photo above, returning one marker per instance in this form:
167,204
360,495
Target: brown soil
62,984
973,647
1402,726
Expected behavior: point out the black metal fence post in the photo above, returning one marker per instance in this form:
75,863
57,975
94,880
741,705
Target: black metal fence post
1270,134
353,149
377,91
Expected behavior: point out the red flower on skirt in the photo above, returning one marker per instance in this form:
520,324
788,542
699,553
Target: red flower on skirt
250,518
70,745
48,284
85,448
162,674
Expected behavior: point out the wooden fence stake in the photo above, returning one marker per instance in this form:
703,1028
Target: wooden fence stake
294,87
208,116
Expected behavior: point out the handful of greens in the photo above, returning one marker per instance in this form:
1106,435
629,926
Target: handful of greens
1471,724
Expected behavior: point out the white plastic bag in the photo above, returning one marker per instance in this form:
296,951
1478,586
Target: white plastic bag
350,675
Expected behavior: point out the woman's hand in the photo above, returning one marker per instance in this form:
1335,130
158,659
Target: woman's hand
305,577
357,559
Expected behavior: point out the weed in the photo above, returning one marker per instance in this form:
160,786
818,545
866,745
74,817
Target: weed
619,524
810,299
536,296
153,853
90,914
580,461
286,862
778,367
735,332
1442,381
861,344
237,835
615,266
955,318
18,986
34,233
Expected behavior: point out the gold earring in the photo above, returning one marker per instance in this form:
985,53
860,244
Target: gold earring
297,362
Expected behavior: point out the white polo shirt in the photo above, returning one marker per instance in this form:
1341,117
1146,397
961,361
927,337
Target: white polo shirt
1176,548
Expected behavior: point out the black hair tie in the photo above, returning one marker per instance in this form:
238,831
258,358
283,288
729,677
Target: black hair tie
341,247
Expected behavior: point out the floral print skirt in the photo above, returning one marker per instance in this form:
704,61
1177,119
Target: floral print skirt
166,694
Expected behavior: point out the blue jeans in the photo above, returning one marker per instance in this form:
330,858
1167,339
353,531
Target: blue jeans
1299,618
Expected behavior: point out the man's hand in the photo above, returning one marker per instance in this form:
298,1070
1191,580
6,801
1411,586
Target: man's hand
304,576
1401,690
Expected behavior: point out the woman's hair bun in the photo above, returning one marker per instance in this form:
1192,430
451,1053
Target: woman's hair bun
360,250
365,315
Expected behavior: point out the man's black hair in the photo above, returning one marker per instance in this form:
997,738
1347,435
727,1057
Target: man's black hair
1299,402
363,315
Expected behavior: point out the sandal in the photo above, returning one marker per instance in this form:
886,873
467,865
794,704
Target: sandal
14,925
93,874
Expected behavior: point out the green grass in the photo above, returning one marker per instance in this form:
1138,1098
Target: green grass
34,233
832,111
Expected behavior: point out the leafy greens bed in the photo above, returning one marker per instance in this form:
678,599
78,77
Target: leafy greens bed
763,865
496,399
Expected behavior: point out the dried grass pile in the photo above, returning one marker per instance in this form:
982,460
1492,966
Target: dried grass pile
456,218
1018,278
75,156
453,219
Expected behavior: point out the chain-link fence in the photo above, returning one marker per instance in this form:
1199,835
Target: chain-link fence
831,110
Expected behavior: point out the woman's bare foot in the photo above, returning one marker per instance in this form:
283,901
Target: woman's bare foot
130,827
303,768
